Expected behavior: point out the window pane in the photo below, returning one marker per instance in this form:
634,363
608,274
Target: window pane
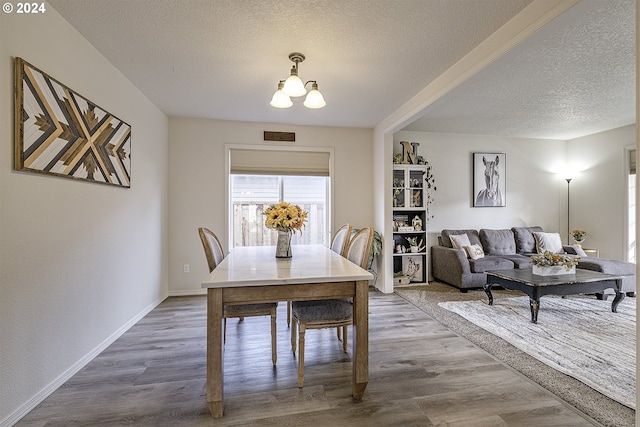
255,189
310,193
251,194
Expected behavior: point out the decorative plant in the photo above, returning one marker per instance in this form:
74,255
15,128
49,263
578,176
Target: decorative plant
429,189
578,235
549,259
284,216
413,241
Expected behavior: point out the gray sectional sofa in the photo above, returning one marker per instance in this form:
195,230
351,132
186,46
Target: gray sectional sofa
506,249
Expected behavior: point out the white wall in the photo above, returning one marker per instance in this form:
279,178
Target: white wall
598,192
197,183
534,191
78,261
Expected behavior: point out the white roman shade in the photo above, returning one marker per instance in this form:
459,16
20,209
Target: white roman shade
279,162
632,162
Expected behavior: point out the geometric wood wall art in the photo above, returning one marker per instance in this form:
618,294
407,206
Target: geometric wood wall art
61,133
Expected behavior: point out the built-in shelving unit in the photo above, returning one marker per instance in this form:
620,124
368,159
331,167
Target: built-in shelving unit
409,219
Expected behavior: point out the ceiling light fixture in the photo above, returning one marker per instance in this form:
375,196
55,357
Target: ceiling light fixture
294,87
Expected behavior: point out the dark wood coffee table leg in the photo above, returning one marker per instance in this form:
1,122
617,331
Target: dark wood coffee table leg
534,304
619,296
487,290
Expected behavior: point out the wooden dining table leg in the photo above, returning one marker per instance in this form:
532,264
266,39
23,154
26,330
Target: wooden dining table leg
360,341
215,348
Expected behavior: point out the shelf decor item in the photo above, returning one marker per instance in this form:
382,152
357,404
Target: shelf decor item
412,267
414,246
578,236
550,264
285,218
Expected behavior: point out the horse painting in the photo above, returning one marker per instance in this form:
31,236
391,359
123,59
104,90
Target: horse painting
491,195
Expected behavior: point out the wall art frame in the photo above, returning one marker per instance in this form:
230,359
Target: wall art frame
59,132
489,180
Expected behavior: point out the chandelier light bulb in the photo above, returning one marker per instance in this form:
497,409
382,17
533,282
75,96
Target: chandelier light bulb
293,86
280,99
314,98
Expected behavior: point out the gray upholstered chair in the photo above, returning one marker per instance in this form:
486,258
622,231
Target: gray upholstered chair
339,244
214,253
331,313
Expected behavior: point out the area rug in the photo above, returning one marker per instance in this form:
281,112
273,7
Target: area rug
580,337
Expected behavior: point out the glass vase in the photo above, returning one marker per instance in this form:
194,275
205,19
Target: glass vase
283,245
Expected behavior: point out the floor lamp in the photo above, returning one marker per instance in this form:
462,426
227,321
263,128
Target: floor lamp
568,210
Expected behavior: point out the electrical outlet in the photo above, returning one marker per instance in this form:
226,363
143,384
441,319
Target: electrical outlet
186,268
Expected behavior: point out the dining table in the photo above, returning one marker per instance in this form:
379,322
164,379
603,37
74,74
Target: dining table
253,274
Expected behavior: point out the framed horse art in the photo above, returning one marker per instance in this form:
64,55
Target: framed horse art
489,179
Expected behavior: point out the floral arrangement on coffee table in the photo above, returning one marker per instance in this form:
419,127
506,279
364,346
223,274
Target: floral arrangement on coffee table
284,216
549,259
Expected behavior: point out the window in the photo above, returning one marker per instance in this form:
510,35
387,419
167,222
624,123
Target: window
251,194
260,176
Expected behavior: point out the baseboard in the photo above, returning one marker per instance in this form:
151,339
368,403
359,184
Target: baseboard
189,292
25,408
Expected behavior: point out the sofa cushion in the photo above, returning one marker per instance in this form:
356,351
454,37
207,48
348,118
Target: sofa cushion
518,260
575,250
474,239
525,242
459,240
489,263
608,266
548,242
498,242
474,251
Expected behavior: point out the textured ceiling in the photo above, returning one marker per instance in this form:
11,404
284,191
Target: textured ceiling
574,78
223,59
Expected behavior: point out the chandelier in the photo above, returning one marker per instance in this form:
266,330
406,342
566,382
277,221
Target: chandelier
294,87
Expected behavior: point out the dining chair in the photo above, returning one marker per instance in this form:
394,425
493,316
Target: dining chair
340,241
329,313
339,244
214,254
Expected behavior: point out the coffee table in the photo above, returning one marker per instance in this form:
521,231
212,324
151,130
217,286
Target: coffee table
535,286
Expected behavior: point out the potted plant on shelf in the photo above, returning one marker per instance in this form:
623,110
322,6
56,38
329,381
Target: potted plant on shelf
414,246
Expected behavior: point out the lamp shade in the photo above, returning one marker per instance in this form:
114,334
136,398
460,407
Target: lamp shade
293,86
280,99
314,98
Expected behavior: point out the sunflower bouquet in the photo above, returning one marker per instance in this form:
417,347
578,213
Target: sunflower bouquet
284,216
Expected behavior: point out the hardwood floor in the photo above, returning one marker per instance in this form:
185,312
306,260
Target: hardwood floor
420,374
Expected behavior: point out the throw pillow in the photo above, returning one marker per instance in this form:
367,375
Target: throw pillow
474,251
548,242
459,240
579,251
